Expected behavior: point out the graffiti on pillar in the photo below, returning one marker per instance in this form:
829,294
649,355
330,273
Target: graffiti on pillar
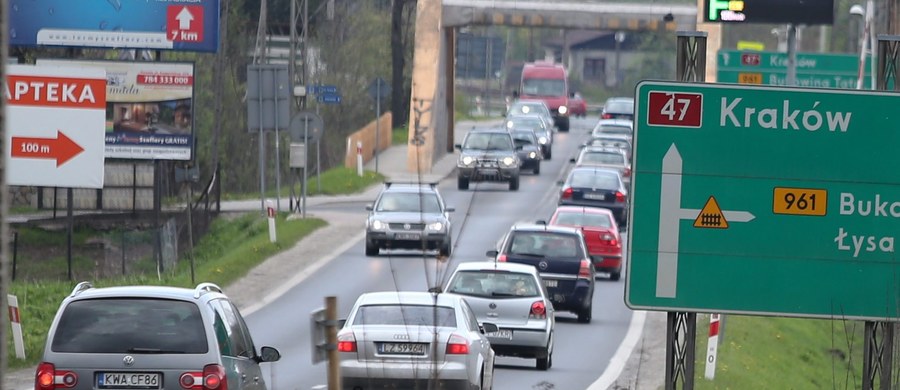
419,107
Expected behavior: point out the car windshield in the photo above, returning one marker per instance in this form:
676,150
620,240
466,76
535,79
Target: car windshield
544,244
613,129
583,219
591,179
527,108
543,87
409,202
130,325
602,158
487,283
534,124
523,138
488,141
620,106
412,315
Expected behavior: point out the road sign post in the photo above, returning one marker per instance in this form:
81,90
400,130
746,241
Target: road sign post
734,186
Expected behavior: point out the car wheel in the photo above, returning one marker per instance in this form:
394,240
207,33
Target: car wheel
564,126
584,316
537,168
445,250
549,154
371,249
615,275
462,183
514,183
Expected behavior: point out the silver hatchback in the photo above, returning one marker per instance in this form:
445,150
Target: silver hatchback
150,337
408,340
511,296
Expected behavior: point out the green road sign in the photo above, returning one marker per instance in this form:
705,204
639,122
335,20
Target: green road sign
765,200
770,68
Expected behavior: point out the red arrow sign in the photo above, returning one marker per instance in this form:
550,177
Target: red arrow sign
61,148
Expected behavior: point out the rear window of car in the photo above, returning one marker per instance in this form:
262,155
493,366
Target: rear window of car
413,315
132,325
591,179
623,107
583,219
545,244
602,158
613,129
486,283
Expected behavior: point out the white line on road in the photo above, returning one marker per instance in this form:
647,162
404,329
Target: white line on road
620,358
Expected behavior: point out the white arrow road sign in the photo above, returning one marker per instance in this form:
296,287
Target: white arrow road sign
670,216
184,19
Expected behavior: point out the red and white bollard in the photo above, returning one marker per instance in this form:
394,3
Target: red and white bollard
712,346
359,160
16,320
270,213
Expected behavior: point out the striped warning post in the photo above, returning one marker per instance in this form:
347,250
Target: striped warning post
16,320
712,346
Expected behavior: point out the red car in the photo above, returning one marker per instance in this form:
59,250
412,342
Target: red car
601,235
577,106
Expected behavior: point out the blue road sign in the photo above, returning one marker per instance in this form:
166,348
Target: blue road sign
329,98
322,89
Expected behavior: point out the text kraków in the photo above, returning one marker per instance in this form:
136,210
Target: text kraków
785,117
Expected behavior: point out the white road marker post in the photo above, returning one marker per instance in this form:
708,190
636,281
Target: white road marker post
16,321
359,162
712,347
270,213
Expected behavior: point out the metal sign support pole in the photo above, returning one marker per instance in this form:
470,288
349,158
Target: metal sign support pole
277,159
319,165
792,55
878,354
681,327
305,160
70,227
377,121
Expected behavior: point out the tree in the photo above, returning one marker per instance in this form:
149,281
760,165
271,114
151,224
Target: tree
402,12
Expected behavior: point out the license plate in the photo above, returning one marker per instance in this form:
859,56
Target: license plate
128,380
401,348
501,334
489,172
595,196
408,236
551,283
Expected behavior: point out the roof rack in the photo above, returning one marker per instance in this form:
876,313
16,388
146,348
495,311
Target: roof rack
204,288
81,287
430,184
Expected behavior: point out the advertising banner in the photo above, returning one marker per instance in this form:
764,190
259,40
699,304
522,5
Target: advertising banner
187,25
54,126
149,108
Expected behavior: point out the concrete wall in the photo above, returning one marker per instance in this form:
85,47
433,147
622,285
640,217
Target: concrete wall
366,135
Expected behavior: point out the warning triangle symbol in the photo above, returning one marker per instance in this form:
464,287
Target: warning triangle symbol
711,216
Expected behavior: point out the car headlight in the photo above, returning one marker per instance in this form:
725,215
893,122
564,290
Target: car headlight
532,155
509,124
435,226
378,225
508,161
526,109
467,160
563,109
542,140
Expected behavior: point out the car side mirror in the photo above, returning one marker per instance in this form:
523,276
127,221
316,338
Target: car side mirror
571,160
540,222
458,146
520,147
572,95
491,253
560,182
488,327
268,355
368,207
449,209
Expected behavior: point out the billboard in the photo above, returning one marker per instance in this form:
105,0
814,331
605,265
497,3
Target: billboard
187,25
769,11
54,126
149,108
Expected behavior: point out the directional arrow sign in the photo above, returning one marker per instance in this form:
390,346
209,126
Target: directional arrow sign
765,200
55,126
61,148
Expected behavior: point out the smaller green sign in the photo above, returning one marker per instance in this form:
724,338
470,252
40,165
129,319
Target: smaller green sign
813,69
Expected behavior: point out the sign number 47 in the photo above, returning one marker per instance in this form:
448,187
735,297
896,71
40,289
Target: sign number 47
675,109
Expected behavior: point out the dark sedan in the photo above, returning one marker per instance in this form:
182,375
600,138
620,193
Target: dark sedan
596,187
528,149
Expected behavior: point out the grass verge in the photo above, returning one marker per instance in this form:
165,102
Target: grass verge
335,181
782,353
227,252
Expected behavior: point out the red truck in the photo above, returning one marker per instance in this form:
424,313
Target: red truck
549,82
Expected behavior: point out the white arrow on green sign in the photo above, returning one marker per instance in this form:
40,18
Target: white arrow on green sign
810,174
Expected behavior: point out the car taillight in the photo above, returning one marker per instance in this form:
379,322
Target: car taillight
609,239
620,197
607,116
457,345
627,172
501,258
585,270
191,380
346,342
538,310
214,377
567,193
46,377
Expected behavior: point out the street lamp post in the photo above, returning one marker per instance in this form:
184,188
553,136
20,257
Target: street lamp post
867,42
620,37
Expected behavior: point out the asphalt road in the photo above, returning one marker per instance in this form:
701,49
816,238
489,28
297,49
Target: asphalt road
483,214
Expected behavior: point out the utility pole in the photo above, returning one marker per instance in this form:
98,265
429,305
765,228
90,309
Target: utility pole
4,191
334,361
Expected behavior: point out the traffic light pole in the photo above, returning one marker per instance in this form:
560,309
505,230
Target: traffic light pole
681,327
